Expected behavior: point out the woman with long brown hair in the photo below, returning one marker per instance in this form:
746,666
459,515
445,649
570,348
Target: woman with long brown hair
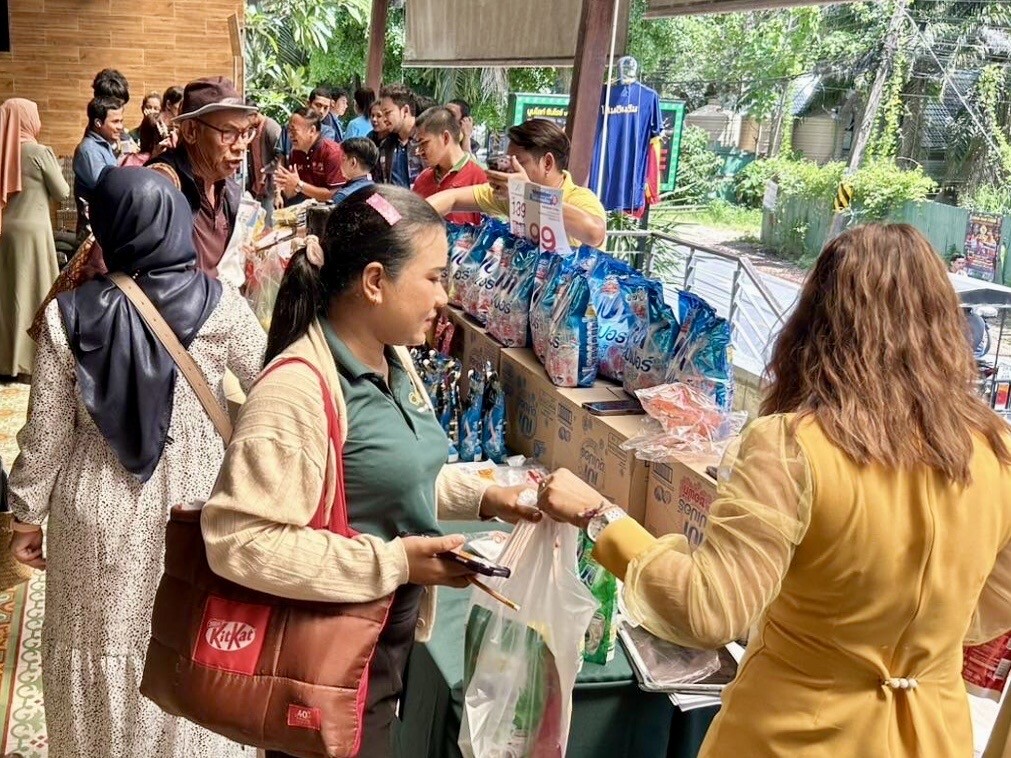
861,527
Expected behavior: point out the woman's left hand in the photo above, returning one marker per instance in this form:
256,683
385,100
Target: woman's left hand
503,503
566,497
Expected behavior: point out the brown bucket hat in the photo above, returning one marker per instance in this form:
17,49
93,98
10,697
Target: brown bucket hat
215,93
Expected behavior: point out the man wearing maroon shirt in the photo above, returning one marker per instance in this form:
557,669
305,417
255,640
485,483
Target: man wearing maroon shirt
315,171
449,166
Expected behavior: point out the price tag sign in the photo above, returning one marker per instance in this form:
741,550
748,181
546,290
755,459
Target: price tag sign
535,212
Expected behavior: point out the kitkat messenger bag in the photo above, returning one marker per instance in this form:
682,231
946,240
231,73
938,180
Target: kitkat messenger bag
262,670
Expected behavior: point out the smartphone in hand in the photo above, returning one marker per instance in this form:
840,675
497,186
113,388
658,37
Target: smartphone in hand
475,563
501,162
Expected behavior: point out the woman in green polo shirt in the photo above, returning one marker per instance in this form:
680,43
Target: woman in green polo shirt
344,307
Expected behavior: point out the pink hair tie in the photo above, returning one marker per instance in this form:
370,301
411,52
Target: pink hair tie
314,251
383,207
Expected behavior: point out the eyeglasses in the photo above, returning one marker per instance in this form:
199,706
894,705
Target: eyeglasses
231,136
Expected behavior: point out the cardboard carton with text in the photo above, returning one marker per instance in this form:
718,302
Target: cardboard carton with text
679,496
590,447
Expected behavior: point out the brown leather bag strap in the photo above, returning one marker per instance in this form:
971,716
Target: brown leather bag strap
175,349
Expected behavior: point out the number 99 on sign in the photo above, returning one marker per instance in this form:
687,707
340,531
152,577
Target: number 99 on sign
544,237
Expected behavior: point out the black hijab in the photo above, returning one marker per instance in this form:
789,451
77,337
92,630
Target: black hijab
126,378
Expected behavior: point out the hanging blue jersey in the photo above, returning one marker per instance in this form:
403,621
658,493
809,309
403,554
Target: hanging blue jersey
633,120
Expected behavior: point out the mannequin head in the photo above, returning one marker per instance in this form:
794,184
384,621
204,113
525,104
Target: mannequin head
628,69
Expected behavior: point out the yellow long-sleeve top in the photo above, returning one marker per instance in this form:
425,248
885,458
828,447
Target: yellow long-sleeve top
851,576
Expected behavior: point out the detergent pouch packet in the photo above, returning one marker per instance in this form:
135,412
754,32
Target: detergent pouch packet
491,236
470,419
509,317
651,346
461,238
702,354
571,358
493,423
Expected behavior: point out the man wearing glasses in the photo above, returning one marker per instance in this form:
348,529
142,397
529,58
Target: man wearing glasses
215,129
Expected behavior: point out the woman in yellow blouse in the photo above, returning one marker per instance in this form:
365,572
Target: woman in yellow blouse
861,529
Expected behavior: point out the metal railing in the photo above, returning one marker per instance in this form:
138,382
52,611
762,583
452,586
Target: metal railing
729,282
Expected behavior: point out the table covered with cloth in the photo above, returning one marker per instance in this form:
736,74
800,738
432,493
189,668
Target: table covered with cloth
611,716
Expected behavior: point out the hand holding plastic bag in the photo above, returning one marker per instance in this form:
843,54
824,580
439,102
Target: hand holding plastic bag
520,666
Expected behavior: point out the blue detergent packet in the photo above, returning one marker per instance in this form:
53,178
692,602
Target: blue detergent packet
493,423
610,283
557,273
702,355
491,236
652,346
470,419
509,317
571,359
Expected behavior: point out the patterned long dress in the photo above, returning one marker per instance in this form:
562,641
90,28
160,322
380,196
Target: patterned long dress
105,543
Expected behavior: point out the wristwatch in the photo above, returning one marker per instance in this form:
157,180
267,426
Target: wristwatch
603,519
300,186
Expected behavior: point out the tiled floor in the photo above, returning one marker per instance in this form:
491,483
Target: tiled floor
21,611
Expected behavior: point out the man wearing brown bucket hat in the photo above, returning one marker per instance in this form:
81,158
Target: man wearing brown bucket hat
215,128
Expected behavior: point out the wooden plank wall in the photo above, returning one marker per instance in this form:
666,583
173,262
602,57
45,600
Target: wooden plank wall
57,47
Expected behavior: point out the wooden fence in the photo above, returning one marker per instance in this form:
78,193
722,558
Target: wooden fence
800,227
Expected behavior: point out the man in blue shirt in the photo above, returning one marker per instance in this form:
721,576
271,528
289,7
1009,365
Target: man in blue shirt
360,159
95,154
322,101
332,122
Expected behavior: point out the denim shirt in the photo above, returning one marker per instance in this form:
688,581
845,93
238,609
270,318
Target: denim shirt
93,156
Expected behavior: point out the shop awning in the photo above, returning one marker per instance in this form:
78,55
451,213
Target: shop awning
977,292
666,8
468,33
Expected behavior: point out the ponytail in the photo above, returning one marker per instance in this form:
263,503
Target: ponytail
300,299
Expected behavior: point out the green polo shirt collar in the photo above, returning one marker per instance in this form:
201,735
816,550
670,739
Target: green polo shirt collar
348,364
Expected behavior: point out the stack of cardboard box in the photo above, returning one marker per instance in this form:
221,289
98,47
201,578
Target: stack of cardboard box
551,425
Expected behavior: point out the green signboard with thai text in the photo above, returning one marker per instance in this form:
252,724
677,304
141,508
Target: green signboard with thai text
523,106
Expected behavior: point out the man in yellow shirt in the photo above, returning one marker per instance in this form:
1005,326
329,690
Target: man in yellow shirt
538,152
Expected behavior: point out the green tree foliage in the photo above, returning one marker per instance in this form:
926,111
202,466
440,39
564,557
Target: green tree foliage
698,169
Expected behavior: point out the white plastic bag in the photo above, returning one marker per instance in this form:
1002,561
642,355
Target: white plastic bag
520,666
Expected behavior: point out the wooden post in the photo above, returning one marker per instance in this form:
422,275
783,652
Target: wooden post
587,78
377,43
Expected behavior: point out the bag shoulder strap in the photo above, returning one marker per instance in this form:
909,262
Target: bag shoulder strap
339,523
175,349
167,170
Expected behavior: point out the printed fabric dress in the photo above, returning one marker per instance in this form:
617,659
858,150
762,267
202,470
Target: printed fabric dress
105,542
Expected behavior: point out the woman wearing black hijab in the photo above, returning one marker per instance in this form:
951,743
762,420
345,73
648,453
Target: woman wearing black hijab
115,437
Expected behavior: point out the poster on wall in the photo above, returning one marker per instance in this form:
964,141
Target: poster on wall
523,107
982,246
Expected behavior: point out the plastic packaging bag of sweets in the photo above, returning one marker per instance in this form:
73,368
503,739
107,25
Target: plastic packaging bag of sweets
682,419
571,359
509,318
520,666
